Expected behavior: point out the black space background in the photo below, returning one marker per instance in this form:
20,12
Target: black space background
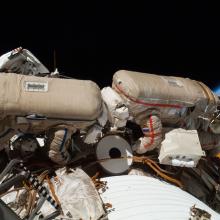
93,40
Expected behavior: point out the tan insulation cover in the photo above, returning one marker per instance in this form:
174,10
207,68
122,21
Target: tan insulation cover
51,97
163,89
170,95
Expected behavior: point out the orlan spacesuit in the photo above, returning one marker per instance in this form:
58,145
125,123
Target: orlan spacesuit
36,105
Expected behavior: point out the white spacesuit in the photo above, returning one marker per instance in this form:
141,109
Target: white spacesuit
36,105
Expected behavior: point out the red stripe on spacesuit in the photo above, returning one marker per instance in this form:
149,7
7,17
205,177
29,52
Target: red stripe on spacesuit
151,134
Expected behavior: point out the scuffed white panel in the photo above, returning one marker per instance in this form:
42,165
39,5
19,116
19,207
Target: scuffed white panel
140,197
174,151
21,61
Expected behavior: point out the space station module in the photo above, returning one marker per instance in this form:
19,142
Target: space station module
166,108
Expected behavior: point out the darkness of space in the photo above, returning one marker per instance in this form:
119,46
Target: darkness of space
95,39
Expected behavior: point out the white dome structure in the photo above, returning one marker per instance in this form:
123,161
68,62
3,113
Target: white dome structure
141,197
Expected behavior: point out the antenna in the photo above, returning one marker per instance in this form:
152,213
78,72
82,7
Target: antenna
54,59
55,72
